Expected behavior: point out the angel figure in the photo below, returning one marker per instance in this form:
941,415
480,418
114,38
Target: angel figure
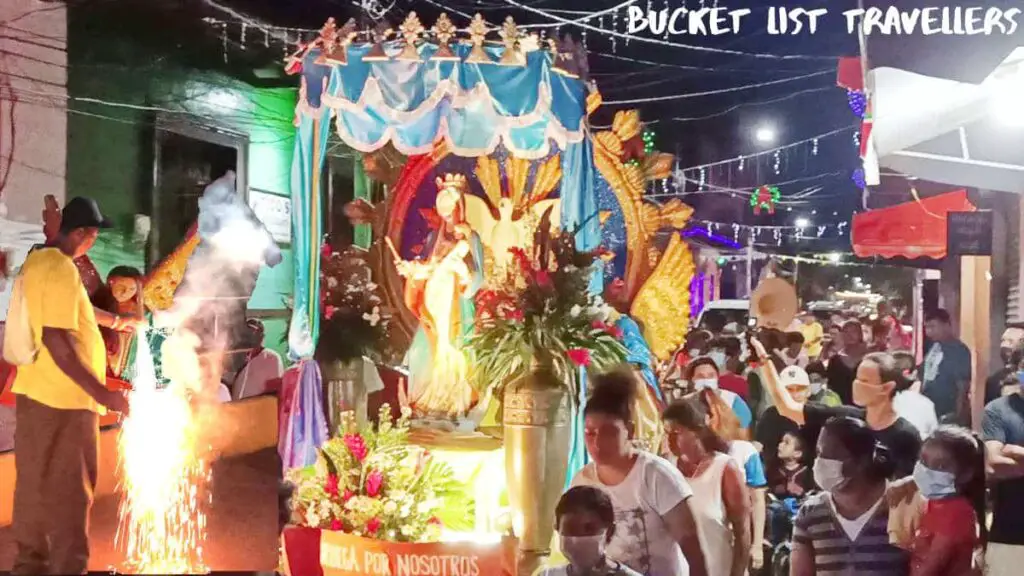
439,290
506,218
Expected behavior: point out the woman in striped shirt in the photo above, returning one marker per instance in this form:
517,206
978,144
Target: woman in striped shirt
844,530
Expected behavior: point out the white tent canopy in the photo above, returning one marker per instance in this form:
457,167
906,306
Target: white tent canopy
952,132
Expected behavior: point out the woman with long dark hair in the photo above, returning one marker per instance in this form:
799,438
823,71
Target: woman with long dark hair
655,532
721,503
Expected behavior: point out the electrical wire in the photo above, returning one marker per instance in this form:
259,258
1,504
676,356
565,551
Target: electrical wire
773,150
716,92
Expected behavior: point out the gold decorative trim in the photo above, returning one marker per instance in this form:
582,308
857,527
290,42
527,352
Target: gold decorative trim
536,408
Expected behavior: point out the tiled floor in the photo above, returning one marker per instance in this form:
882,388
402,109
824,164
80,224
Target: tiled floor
242,522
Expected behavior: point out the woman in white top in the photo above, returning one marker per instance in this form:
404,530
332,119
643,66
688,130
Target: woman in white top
721,503
655,533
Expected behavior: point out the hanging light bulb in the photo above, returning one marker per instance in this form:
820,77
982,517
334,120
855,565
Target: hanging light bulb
741,163
615,28
703,177
778,161
814,147
856,139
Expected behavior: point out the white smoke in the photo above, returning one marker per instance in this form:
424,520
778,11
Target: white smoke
218,281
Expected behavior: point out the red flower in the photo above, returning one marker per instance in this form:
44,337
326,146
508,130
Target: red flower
325,250
615,332
331,486
373,525
329,311
435,520
347,495
579,356
336,525
374,482
542,278
597,324
515,315
356,446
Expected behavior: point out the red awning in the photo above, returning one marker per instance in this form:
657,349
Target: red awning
910,230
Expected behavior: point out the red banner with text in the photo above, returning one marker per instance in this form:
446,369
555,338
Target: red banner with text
310,552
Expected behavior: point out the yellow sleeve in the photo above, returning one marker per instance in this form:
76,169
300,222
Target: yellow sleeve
59,294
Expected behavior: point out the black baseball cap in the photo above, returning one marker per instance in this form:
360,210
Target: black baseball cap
82,212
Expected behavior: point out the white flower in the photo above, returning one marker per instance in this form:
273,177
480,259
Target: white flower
325,508
390,507
332,282
575,311
406,530
373,317
312,519
370,286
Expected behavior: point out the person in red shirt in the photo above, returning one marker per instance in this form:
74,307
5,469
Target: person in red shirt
951,477
728,351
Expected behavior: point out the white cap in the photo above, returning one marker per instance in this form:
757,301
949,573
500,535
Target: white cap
794,376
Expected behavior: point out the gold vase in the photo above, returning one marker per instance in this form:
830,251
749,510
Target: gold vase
536,429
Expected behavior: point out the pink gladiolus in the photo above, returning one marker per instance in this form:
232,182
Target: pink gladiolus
373,525
347,495
325,250
579,356
329,311
336,525
374,482
356,446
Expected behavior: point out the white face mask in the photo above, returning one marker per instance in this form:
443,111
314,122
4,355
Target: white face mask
705,384
828,473
934,484
816,386
584,552
694,352
719,358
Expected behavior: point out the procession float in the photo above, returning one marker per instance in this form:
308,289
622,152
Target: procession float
512,252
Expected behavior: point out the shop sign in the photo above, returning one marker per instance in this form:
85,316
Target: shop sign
969,233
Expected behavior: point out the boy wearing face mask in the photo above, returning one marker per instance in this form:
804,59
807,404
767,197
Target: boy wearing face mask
585,520
817,377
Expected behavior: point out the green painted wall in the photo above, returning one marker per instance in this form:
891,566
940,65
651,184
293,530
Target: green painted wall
110,144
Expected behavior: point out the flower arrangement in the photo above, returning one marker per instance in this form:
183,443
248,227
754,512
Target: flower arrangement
352,323
544,313
374,484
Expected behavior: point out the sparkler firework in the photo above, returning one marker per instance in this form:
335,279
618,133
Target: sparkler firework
164,476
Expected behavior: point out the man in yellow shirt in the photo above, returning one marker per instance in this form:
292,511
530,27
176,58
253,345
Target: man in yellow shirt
59,399
813,335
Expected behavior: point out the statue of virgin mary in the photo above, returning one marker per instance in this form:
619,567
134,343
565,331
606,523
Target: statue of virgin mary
439,290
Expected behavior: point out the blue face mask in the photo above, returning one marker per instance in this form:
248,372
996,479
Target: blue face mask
934,484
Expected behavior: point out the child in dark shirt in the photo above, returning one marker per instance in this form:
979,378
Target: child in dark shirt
789,482
790,478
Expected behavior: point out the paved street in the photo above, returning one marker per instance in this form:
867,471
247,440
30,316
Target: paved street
242,522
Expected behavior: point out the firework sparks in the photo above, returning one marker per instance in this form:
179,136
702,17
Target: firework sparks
164,476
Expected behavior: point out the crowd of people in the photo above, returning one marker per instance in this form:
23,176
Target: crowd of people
825,449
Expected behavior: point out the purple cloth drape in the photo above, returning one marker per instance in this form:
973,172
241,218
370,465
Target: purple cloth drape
303,426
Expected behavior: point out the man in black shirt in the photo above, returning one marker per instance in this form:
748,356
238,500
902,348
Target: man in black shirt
1009,357
1003,431
878,378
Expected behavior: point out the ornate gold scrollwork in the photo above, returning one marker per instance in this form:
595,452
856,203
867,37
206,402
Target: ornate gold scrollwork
652,278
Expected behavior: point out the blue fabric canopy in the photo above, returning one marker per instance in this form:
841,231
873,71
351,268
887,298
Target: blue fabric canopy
474,107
